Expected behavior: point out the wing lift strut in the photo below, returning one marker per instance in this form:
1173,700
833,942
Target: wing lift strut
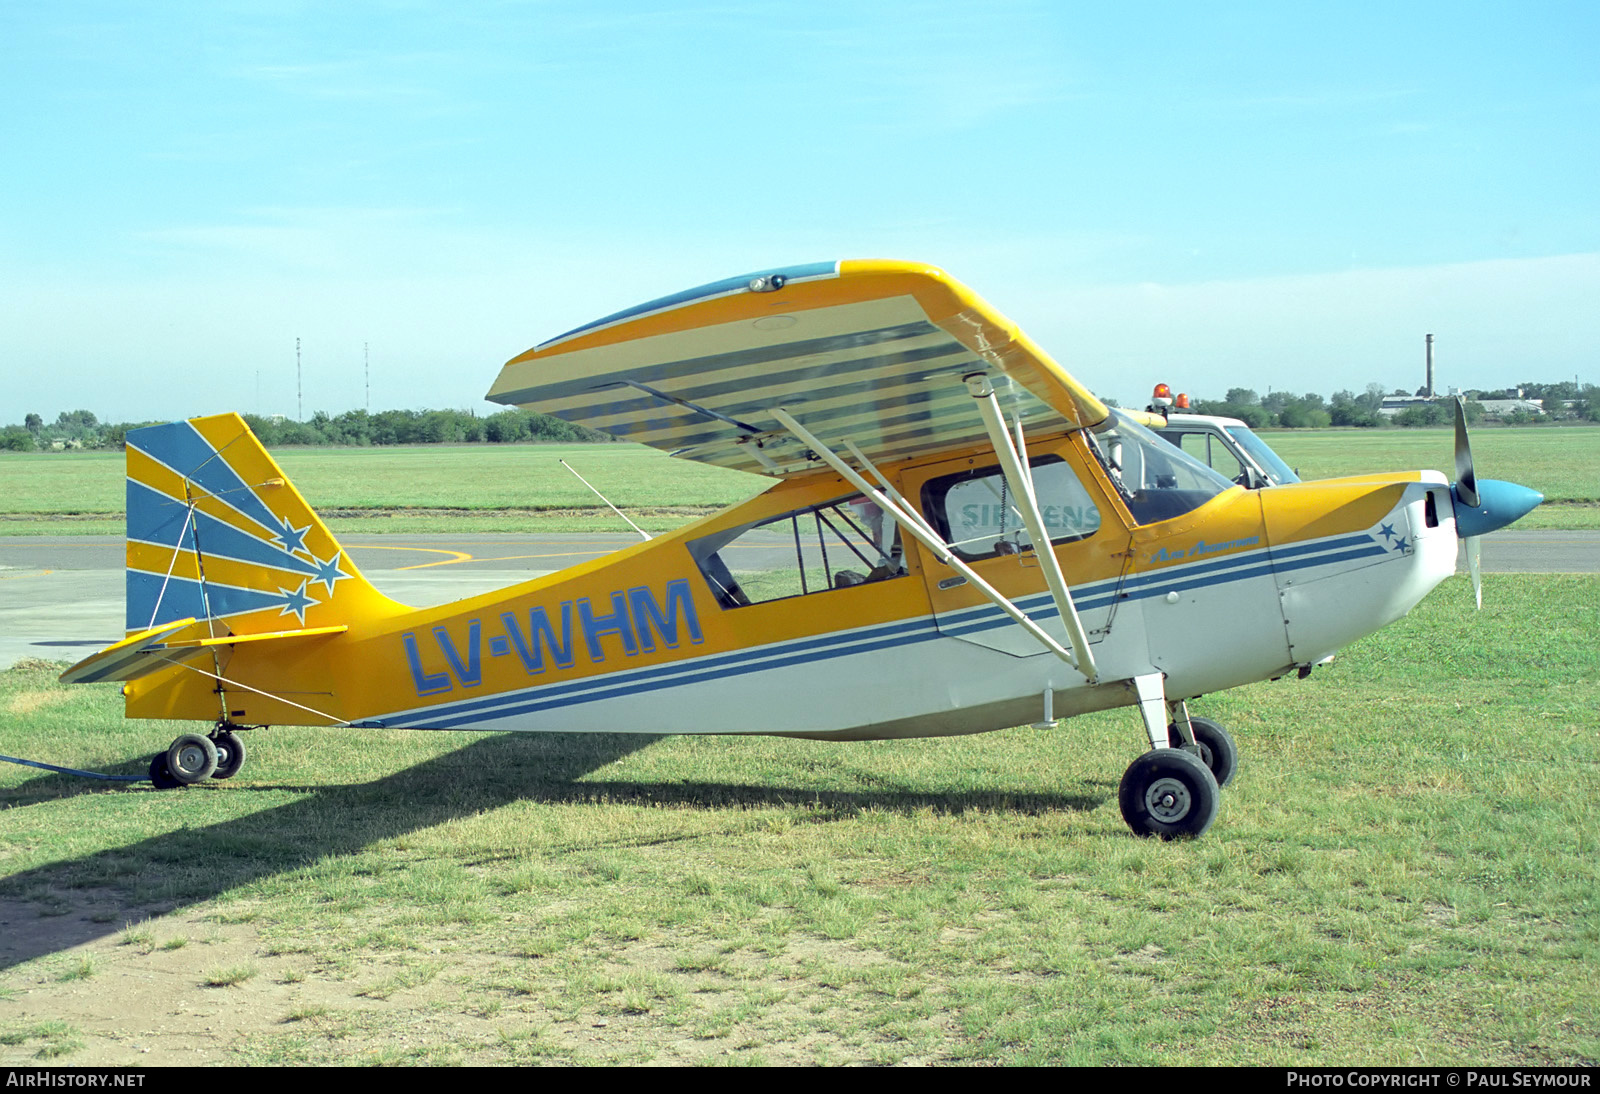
1020,480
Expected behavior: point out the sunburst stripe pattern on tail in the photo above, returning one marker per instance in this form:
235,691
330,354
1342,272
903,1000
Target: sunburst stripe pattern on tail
215,531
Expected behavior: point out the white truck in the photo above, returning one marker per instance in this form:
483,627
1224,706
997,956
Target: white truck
1225,444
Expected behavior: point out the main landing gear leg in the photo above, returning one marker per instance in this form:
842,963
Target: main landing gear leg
1167,792
1152,691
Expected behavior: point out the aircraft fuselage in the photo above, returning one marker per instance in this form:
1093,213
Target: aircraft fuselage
1246,587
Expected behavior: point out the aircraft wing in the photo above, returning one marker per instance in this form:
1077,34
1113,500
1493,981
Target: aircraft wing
873,351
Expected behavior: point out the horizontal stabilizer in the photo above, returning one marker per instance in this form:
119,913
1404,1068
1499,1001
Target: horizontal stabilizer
161,647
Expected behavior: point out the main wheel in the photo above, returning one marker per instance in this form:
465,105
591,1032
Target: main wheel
160,777
230,754
1217,750
1169,793
191,758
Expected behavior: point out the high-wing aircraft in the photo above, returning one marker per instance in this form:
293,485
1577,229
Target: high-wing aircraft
959,537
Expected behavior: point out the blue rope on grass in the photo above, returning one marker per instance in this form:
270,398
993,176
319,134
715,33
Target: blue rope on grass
75,771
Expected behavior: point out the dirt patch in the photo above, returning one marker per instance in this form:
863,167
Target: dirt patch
86,982
26,702
35,664
135,997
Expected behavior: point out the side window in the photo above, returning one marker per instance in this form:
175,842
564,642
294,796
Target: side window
836,545
978,517
1218,458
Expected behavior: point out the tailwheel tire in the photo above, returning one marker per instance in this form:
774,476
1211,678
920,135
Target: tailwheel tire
191,758
160,777
1217,750
230,754
1168,793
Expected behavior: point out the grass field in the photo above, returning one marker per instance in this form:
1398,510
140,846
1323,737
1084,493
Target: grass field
1561,463
508,487
1405,871
412,488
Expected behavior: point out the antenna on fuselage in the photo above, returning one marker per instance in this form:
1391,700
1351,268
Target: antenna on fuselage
605,499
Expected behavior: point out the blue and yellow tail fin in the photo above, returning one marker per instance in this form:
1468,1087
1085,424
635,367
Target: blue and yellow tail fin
217,533
222,551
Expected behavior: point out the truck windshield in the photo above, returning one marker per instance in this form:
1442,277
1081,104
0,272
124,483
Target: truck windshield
1268,460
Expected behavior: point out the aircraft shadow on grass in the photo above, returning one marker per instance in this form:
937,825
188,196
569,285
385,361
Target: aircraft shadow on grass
54,907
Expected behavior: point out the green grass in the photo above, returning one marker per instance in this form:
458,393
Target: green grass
498,488
44,1041
81,969
228,976
467,477
1405,871
1563,463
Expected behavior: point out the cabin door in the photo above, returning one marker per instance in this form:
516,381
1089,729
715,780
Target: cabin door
969,503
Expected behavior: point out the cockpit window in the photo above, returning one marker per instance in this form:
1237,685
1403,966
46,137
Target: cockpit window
1156,480
836,545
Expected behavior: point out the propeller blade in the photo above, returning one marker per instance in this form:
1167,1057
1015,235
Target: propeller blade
1482,507
1475,565
1466,481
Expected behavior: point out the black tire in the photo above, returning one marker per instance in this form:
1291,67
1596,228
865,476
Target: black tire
191,758
160,777
1168,793
1217,750
230,754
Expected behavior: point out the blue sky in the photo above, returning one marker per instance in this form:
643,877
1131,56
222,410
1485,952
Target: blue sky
1217,195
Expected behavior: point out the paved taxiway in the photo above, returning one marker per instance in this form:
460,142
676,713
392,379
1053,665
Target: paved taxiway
61,596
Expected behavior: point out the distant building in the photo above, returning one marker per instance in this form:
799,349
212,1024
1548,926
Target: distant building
1492,408
1501,408
1394,404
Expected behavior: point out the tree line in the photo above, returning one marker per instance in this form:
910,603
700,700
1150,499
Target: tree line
81,429
1284,410
1276,409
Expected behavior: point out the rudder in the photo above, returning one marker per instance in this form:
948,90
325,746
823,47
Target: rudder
216,532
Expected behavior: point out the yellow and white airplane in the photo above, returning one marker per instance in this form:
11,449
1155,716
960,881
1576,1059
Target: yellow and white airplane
959,538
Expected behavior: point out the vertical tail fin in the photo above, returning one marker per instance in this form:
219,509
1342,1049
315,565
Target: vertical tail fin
216,532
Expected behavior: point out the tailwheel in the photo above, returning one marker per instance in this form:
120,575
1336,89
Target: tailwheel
191,758
230,754
1214,744
1169,793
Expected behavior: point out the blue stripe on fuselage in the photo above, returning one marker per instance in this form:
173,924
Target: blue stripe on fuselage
1250,564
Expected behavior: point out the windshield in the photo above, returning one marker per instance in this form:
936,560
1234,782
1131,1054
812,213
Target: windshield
1268,460
1156,480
